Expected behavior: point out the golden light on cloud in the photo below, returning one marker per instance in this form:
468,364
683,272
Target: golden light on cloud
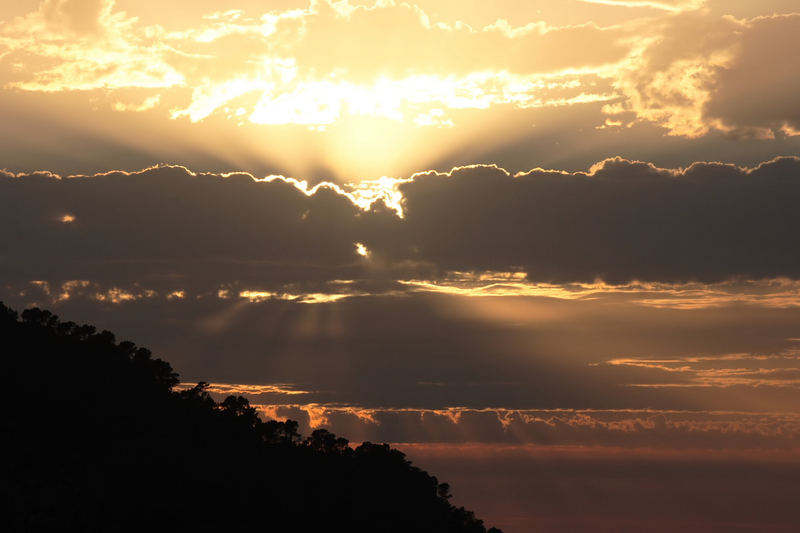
292,84
751,370
115,295
323,85
419,100
368,99
147,103
772,293
287,389
365,192
361,250
255,296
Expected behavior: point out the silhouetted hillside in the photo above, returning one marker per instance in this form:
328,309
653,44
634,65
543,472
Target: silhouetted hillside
97,440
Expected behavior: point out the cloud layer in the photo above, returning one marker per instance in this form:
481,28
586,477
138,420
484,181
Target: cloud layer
168,228
689,68
624,220
726,74
400,86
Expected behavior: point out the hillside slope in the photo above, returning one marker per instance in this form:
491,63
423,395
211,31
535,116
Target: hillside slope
98,440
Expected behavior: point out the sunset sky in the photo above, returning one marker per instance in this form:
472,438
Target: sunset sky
549,249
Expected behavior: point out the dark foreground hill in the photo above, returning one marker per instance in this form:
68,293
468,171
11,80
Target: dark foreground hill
96,439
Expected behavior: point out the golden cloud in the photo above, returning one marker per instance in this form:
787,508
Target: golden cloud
271,69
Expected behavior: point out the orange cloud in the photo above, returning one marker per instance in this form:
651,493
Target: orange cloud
627,428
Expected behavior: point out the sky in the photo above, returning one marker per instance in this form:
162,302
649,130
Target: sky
547,249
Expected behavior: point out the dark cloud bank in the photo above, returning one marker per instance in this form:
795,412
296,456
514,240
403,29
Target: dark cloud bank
622,221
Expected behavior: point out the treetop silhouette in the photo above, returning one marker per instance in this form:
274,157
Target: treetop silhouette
99,440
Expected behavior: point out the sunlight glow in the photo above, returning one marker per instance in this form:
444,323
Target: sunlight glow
320,85
287,389
361,250
417,99
775,293
306,298
674,6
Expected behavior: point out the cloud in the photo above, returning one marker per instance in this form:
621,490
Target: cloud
169,224
753,94
416,44
268,67
623,220
692,70
148,103
766,293
700,72
775,370
445,354
625,428
70,45
417,68
168,229
667,5
78,16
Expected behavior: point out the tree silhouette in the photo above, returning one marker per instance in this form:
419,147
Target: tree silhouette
97,440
